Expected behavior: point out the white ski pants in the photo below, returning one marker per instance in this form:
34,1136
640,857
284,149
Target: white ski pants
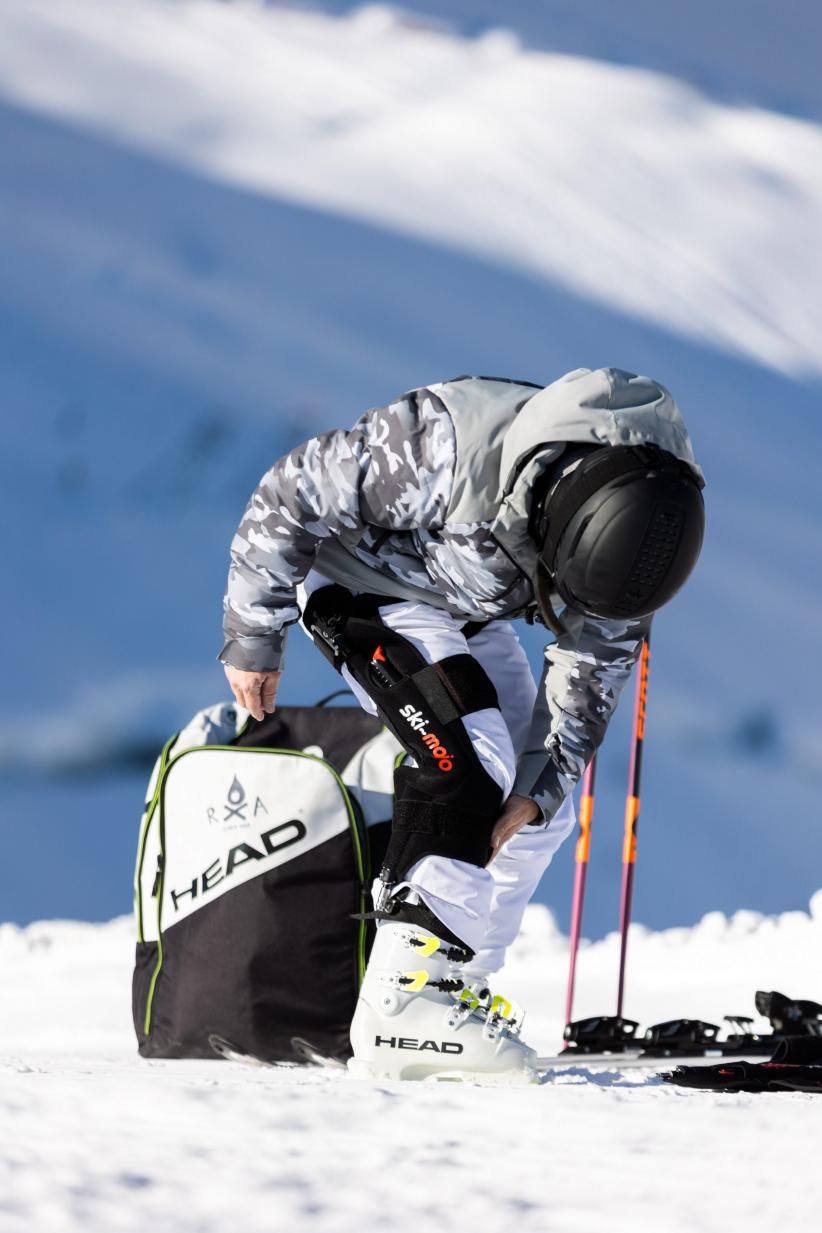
484,907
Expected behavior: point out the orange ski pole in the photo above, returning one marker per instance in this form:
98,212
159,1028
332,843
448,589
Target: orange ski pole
583,851
632,814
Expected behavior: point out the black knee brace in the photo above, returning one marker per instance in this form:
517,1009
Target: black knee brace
447,803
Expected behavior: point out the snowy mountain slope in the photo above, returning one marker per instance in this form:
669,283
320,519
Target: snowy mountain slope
672,211
164,334
93,1138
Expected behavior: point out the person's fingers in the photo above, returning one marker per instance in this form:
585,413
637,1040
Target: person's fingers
498,837
234,685
236,690
254,691
505,832
253,698
269,693
505,828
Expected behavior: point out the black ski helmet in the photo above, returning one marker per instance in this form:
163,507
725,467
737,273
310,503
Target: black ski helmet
620,533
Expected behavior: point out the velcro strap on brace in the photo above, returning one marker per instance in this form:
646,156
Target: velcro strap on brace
455,686
432,818
431,828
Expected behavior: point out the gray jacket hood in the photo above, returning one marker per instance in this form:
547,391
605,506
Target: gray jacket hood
603,406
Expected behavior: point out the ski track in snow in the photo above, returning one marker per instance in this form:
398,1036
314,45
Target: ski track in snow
93,1138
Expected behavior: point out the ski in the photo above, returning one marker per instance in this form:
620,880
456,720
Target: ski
630,1060
314,1056
633,1060
796,1066
676,1043
305,1051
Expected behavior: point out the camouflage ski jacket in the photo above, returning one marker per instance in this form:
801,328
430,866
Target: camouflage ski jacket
429,498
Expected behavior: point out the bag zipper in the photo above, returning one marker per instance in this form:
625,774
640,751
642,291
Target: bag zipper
141,848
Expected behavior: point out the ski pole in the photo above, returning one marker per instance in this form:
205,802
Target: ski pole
583,849
632,815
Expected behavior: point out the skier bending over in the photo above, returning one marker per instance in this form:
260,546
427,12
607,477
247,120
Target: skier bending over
406,547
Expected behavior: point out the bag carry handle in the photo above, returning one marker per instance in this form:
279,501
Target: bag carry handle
338,693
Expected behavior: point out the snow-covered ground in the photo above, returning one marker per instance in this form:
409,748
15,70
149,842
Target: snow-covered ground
95,1140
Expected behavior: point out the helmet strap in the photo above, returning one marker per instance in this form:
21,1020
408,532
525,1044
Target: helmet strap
542,589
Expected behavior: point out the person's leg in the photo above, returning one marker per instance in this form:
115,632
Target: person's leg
516,871
412,1019
464,895
520,863
315,581
499,650
458,892
414,663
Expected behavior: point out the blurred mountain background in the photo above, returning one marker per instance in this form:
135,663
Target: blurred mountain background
227,226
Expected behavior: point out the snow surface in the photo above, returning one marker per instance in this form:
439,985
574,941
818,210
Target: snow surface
225,227
94,1139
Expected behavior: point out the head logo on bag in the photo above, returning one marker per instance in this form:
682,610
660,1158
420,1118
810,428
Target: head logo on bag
271,841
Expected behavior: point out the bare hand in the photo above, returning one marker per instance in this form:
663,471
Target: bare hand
517,812
256,691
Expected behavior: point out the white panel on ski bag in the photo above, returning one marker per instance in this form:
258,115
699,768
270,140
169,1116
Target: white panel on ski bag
229,815
369,777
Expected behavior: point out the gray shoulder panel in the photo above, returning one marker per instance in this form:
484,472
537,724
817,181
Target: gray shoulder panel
482,410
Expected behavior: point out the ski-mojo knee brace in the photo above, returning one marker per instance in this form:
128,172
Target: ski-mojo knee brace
447,803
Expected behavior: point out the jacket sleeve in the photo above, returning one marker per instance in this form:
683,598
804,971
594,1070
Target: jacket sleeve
392,471
583,677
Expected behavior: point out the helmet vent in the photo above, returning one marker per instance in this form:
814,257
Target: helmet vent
623,531
653,560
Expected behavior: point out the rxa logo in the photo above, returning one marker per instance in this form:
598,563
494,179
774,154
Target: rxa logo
408,1042
416,720
235,801
235,808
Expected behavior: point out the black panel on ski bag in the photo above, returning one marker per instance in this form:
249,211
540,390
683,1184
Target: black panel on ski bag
252,859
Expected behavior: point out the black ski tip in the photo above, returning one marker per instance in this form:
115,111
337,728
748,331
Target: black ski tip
309,1053
748,1077
227,1051
725,1077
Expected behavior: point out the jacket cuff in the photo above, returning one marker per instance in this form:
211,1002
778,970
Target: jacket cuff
255,654
539,780
530,769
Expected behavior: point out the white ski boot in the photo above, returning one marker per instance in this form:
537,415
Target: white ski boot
417,1018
